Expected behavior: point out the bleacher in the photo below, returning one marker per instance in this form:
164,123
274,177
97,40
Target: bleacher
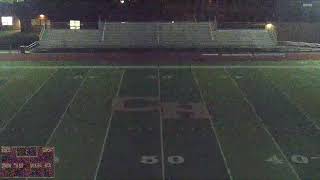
246,38
185,35
130,35
62,38
157,35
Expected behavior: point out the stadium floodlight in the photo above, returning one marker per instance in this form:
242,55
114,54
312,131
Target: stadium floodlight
269,26
42,16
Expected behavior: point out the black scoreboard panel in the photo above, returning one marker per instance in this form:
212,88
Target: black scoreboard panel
27,162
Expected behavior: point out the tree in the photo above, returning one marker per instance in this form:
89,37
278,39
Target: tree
25,12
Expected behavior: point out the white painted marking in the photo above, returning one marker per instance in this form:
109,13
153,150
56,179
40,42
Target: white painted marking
241,55
107,131
92,77
78,77
269,54
315,157
167,77
214,54
274,160
67,108
161,128
264,126
149,160
213,128
307,5
239,77
6,123
299,159
175,160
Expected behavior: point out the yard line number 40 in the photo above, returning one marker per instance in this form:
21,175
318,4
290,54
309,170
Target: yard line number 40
175,160
298,159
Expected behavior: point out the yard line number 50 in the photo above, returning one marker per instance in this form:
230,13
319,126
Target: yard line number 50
175,160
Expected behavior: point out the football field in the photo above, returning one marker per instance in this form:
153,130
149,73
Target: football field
257,120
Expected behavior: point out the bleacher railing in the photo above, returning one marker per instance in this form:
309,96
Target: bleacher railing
43,29
100,25
29,48
241,25
274,36
104,27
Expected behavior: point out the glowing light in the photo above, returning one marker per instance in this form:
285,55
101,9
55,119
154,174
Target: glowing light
42,16
122,1
75,24
269,26
172,21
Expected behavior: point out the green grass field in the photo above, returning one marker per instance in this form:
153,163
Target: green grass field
256,121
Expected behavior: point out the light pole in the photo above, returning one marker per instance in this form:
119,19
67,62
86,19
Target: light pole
42,18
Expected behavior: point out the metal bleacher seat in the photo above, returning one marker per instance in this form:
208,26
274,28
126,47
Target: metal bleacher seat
157,35
185,35
244,38
128,35
62,38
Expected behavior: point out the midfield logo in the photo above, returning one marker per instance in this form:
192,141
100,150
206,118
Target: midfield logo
169,110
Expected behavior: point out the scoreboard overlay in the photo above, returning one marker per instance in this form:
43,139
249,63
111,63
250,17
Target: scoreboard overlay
27,162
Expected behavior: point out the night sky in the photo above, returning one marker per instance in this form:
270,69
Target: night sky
91,10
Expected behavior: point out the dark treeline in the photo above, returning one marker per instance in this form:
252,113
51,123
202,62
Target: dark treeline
86,10
165,10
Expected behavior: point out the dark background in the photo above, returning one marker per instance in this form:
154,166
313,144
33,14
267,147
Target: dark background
151,10
168,10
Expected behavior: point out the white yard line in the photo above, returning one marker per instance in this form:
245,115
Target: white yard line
4,124
169,67
263,125
67,108
214,54
212,127
161,127
107,130
240,55
315,157
270,54
299,108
